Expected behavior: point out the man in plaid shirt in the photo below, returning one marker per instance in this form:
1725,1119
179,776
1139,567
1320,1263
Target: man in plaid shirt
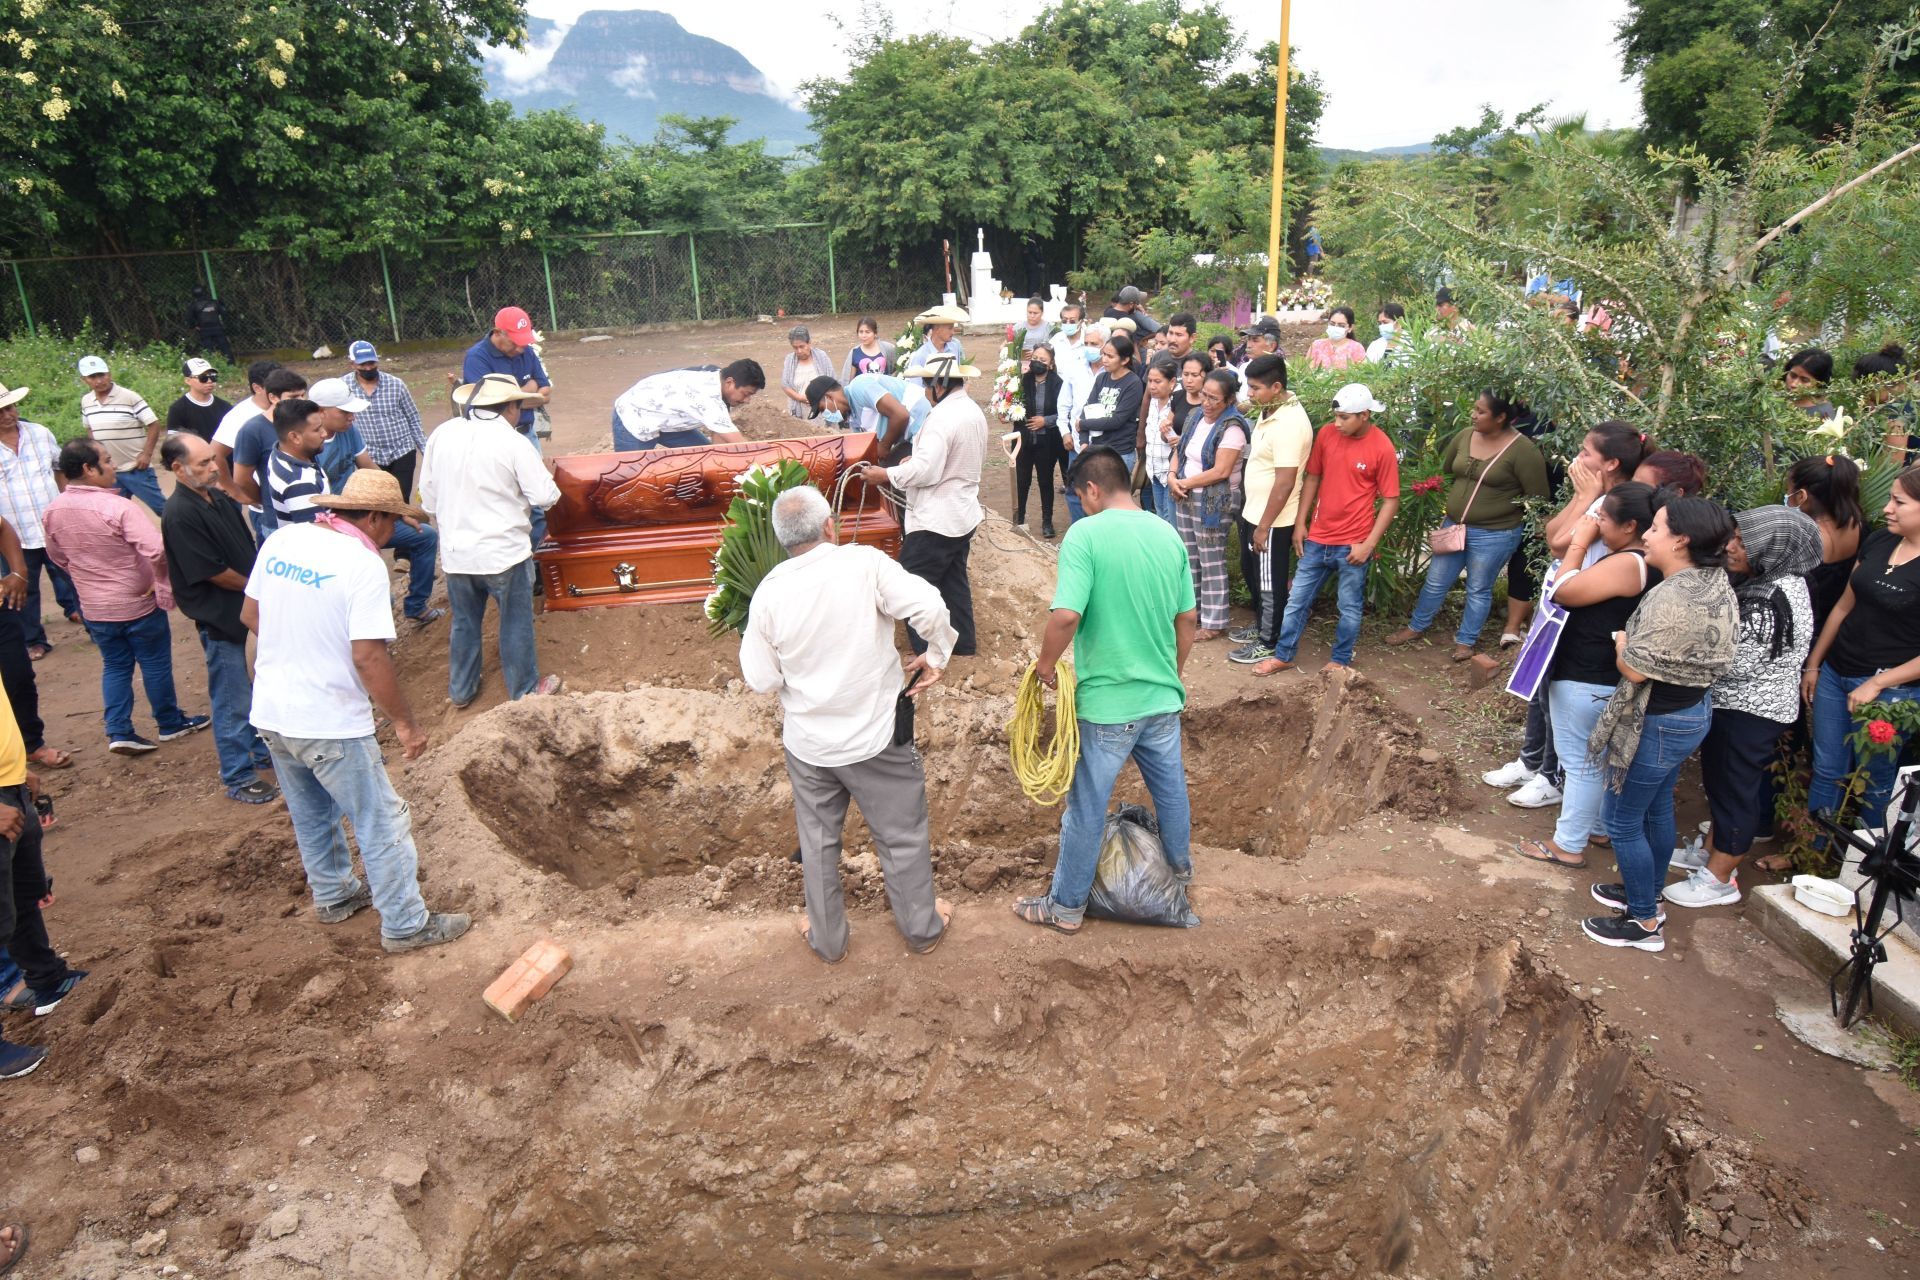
390,424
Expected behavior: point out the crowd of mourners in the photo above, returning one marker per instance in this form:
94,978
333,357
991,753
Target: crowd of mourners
1679,627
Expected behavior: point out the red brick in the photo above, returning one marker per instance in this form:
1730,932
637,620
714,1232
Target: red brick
1482,670
528,978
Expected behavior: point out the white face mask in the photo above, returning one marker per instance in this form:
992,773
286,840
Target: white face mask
1336,331
1386,328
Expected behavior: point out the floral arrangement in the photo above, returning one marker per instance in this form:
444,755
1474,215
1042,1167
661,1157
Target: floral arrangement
1311,294
748,549
909,342
1006,382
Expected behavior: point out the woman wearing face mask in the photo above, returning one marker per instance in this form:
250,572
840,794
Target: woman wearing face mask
1678,641
1393,320
1598,599
1338,349
1110,414
804,363
1756,702
1806,376
1869,651
1159,434
1206,494
1040,451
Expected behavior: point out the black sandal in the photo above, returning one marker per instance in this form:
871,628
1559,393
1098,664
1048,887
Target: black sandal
1042,912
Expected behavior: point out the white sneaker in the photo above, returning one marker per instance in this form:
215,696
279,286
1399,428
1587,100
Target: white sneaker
1538,793
1689,857
1701,889
1509,775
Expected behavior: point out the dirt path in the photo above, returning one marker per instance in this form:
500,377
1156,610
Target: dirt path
1387,1050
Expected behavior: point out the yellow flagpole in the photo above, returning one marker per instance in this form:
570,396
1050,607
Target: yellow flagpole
1279,159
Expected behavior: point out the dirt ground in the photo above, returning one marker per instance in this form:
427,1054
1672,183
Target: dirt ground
1387,1050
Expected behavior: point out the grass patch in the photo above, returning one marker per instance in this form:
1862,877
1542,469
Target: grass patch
1905,1050
48,364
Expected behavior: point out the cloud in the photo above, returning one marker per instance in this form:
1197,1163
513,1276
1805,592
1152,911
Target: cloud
632,78
522,71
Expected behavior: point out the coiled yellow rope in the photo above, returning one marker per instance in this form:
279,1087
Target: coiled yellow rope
1044,775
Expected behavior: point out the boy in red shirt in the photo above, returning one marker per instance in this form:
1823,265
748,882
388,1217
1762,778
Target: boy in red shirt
1351,491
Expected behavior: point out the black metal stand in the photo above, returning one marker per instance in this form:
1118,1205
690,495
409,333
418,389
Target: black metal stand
1893,875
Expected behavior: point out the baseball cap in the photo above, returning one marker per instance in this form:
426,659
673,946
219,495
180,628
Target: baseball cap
1263,325
90,365
1130,294
817,391
362,352
1356,398
334,393
195,367
515,323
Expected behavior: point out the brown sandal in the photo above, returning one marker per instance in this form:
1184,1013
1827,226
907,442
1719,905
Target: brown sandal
1041,911
1546,854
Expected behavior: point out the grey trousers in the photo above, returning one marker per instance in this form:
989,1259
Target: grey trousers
891,790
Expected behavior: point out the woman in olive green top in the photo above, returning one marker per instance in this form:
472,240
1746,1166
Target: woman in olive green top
1495,470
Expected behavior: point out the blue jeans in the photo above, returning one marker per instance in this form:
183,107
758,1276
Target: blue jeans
531,432
147,643
231,692
1639,816
327,779
624,441
1073,503
1833,759
1154,745
1317,563
1486,556
1162,500
1574,709
142,486
468,593
63,594
419,548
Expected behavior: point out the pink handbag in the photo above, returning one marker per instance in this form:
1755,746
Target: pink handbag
1449,538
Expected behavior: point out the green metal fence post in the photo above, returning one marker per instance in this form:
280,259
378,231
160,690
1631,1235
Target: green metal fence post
25,310
553,312
386,282
206,265
833,288
693,260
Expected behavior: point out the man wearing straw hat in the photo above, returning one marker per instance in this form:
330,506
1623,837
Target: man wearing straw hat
941,482
482,481
318,600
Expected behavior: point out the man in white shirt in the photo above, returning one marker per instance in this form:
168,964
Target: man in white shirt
120,419
1079,364
29,461
941,481
319,602
481,479
684,407
820,634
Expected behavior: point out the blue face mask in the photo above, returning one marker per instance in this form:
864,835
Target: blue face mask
1070,329
833,417
1093,355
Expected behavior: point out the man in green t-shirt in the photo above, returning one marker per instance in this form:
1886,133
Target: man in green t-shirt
1125,602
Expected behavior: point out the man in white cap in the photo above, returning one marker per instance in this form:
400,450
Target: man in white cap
390,423
199,410
941,481
29,464
121,421
318,601
1348,496
482,482
345,451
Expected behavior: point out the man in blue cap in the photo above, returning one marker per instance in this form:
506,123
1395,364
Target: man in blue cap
390,424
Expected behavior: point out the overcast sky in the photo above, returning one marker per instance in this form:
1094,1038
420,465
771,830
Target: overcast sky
1396,71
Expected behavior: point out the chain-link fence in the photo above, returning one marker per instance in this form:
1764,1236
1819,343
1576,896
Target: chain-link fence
275,300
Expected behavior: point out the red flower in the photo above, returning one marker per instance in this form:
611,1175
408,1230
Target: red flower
1428,485
1880,731
1009,333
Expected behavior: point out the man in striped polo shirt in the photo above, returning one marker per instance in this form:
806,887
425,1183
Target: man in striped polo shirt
130,431
292,474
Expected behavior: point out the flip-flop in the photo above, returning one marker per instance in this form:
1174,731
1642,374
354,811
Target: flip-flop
806,936
51,758
946,926
18,998
19,1246
1040,911
38,651
1546,855
1774,863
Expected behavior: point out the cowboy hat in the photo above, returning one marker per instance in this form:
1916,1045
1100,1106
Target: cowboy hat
370,489
14,396
940,315
941,364
1123,323
495,388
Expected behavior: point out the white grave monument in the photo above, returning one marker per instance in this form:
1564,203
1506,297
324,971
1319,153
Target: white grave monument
984,303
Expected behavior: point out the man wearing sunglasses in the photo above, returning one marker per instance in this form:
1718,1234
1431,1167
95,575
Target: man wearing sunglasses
199,411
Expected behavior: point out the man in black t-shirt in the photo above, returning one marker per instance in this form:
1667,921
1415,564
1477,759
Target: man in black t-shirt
199,411
209,555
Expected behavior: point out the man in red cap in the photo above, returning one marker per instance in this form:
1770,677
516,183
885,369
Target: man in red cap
508,349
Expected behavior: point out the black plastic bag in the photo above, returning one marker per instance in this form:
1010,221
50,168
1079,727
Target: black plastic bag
1133,881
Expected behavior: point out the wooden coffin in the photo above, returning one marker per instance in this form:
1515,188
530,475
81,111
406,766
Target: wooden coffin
642,528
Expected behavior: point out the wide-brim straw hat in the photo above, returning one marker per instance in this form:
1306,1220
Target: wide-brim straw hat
941,364
370,489
14,396
495,388
941,315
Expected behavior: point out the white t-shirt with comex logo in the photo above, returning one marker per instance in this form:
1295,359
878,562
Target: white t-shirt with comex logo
318,590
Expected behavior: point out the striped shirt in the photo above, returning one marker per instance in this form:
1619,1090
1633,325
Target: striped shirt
119,420
26,483
291,486
390,424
